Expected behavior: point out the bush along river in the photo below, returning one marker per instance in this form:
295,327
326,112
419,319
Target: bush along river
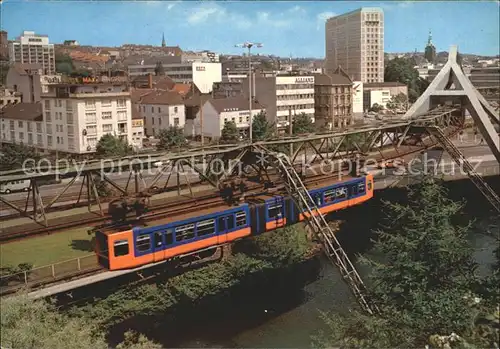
272,290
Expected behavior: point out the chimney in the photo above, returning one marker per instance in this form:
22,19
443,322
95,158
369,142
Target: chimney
150,81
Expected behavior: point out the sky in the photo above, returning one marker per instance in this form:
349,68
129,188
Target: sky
285,28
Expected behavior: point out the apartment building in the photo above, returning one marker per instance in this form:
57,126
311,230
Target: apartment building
202,74
333,99
160,110
283,95
33,48
355,41
216,112
4,46
74,116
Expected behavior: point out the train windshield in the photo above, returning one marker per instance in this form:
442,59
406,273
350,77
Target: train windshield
102,244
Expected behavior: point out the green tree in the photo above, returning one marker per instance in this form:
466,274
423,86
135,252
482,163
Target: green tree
159,70
229,133
171,137
12,156
399,101
402,70
302,123
4,69
112,146
423,277
376,108
64,64
261,128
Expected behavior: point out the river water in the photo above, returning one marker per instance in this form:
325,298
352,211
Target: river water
290,320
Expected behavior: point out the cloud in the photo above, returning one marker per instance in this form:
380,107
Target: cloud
172,4
296,9
405,4
322,17
205,11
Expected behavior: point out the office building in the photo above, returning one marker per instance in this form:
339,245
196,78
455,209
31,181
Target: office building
355,42
283,96
28,80
33,48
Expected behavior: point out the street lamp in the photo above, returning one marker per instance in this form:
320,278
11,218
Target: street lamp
249,46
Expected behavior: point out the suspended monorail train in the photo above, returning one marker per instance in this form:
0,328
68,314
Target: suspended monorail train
200,229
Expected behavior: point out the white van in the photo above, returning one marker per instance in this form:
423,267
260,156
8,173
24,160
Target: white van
13,186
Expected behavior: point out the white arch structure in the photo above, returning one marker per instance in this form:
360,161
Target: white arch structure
452,82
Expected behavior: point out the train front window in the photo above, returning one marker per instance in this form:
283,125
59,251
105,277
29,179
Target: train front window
120,248
275,211
143,242
102,244
185,232
205,227
241,219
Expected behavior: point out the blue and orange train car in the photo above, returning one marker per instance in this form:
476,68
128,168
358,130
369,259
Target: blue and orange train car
197,230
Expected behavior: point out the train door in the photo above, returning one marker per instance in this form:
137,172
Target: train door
275,213
158,246
225,224
258,218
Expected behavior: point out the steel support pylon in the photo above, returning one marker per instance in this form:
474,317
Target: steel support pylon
451,83
316,220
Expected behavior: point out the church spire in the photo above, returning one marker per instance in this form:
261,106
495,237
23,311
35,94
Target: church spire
163,43
429,41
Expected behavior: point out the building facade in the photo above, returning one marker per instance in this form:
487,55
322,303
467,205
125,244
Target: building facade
33,48
202,74
160,110
355,41
8,97
216,112
333,96
29,80
4,46
283,95
73,117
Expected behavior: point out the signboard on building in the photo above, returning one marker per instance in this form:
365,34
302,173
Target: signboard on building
51,79
357,98
306,80
200,68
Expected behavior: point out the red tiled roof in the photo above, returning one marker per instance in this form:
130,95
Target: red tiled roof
182,89
137,94
23,111
162,97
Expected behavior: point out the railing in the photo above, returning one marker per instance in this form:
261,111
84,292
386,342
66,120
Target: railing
48,273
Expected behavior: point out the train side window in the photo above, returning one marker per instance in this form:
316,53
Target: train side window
354,190
241,219
143,242
361,187
158,239
329,195
275,211
230,222
205,227
120,248
169,237
185,232
221,224
341,193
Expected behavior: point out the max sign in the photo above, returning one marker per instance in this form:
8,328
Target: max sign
304,79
